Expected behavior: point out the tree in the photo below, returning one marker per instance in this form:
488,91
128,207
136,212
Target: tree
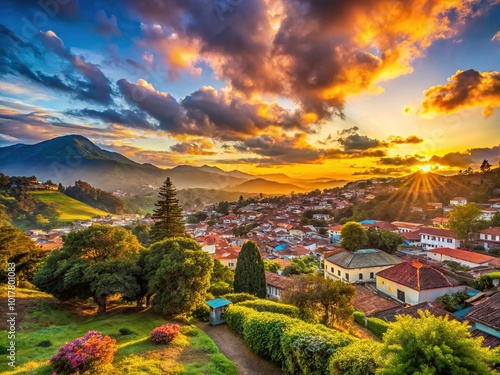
431,345
271,265
307,264
178,273
249,275
463,220
331,299
168,216
353,236
485,166
60,187
384,240
97,262
495,220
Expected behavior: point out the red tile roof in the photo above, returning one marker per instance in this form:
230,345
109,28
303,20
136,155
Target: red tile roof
416,276
439,232
468,256
280,282
487,312
494,231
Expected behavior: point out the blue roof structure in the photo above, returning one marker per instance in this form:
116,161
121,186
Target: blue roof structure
462,313
218,302
371,222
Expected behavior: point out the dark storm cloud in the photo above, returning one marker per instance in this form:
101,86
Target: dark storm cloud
400,160
356,143
412,139
472,157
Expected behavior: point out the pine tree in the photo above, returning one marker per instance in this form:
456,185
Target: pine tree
168,216
249,275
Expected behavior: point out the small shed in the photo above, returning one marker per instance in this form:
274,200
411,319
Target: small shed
217,308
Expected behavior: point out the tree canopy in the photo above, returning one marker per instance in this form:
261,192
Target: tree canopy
353,236
384,240
97,262
178,273
249,275
168,214
463,220
431,345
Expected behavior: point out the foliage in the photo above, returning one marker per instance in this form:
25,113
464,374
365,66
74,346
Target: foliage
307,348
298,266
142,232
486,280
178,274
431,345
358,358
377,326
495,220
202,313
263,305
165,333
219,288
353,236
235,317
455,266
384,240
239,297
97,262
197,217
463,220
332,300
271,265
168,214
249,276
102,200
450,302
84,354
222,208
221,272
360,317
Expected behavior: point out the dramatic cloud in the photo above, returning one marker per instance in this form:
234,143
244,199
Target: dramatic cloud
105,25
357,143
399,160
412,139
195,147
207,112
472,157
466,89
383,171
125,117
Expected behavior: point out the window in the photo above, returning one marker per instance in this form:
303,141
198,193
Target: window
347,276
332,269
433,238
449,240
372,275
401,295
360,276
231,265
339,273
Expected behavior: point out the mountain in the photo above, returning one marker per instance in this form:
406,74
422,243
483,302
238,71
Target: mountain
73,157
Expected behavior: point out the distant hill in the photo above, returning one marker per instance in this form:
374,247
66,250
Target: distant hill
70,208
73,157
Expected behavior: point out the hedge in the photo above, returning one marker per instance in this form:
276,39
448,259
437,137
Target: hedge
235,317
307,348
263,332
377,326
360,317
358,358
239,297
263,305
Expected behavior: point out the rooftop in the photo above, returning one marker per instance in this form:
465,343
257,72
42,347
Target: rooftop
278,281
437,232
468,256
218,302
487,313
493,230
363,258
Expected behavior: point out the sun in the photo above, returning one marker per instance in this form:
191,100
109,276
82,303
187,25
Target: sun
425,168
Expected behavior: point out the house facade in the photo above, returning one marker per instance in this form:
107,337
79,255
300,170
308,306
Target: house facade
359,266
276,285
462,257
490,237
433,238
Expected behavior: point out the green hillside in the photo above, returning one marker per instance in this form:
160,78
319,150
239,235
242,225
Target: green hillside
70,208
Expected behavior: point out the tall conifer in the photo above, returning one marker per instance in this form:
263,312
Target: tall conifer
249,275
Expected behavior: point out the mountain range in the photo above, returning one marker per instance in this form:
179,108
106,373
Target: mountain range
73,157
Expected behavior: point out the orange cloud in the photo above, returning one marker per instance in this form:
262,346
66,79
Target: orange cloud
465,89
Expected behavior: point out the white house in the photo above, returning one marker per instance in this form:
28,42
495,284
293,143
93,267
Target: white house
406,227
487,213
414,283
490,237
458,201
433,238
358,266
463,257
276,284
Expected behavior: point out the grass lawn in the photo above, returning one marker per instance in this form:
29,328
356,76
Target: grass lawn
70,208
45,319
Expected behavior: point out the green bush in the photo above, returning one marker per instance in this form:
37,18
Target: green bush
239,297
359,317
263,305
486,281
202,313
44,344
219,288
377,326
358,358
307,348
236,316
263,333
126,331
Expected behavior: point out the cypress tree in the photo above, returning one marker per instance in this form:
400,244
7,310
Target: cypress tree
249,275
168,216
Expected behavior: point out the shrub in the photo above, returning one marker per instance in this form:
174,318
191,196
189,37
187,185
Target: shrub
358,358
263,305
263,333
165,333
494,251
235,317
239,297
377,326
126,331
44,344
84,354
219,288
307,348
202,313
360,317
486,281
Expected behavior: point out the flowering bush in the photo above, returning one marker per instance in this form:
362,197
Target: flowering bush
165,333
84,353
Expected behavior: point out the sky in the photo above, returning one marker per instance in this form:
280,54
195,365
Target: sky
311,88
